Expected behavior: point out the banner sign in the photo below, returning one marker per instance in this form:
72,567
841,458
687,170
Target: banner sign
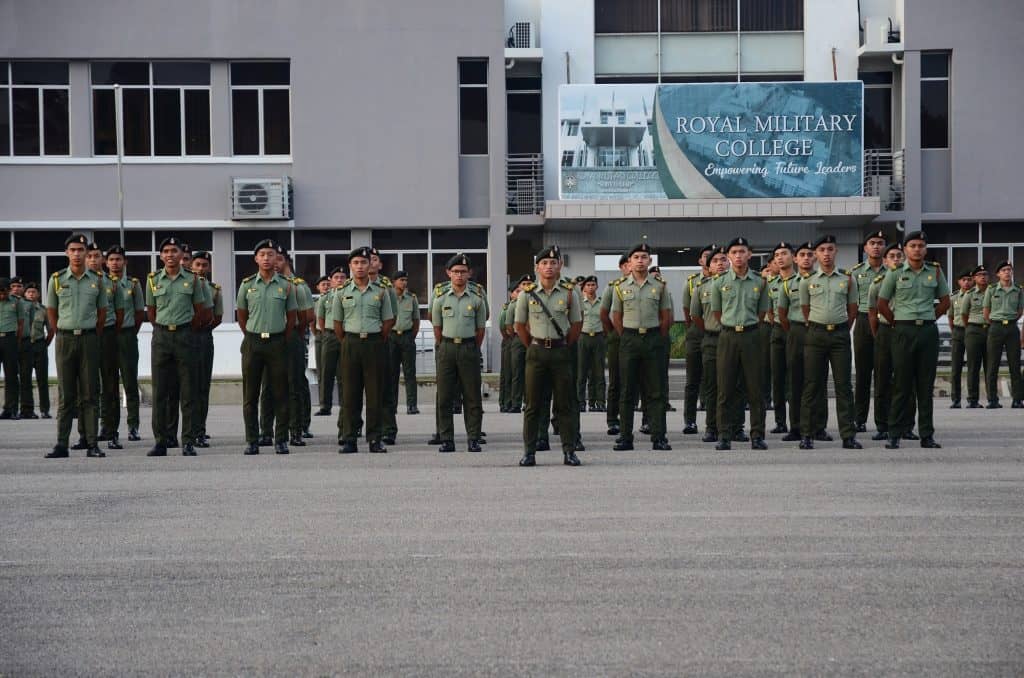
714,140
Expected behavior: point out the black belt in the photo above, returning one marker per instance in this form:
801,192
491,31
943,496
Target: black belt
593,334
862,313
978,324
174,328
830,327
362,335
458,340
265,335
641,330
1002,322
919,323
91,330
712,333
400,332
739,329
548,343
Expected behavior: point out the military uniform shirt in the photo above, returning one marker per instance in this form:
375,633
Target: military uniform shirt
113,298
26,309
606,298
591,313
130,299
268,303
640,303
325,309
973,305
458,316
863,275
873,288
790,296
218,300
828,295
700,305
39,322
206,290
362,311
913,293
408,309
741,300
174,298
11,311
689,288
1004,303
956,307
561,301
776,290
77,300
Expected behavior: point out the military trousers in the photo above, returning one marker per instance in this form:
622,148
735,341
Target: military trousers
517,382
765,332
780,377
975,344
740,357
458,370
864,362
78,383
694,343
9,360
389,396
549,370
823,348
915,354
128,368
642,357
957,353
174,368
1003,337
110,391
204,353
306,403
330,380
264,360
505,374
362,363
590,382
296,353
25,375
318,355
403,363
795,341
614,380
883,379
41,367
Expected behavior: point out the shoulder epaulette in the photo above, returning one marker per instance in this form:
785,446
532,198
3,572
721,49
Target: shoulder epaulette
657,276
245,280
413,295
858,265
567,284
692,276
438,290
215,286
383,281
135,281
297,280
879,278
527,287
843,271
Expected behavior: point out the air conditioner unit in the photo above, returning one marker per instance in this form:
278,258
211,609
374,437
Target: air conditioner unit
523,35
261,198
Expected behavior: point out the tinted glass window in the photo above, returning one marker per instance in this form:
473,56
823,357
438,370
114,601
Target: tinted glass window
260,73
473,119
245,119
473,72
25,109
276,122
626,16
167,121
935,65
399,239
120,73
5,124
56,133
181,73
104,140
316,239
40,241
39,73
457,239
197,122
934,114
878,118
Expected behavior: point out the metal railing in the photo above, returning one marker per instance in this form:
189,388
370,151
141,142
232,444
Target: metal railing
524,183
883,177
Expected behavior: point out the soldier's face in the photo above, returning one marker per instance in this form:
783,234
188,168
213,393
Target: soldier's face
360,267
965,283
915,250
703,260
94,260
115,264
17,289
201,267
805,259
375,264
76,254
1005,276
826,254
322,286
4,293
981,279
278,262
639,262
719,264
338,279
186,260
547,268
874,247
401,284
458,274
171,256
32,294
894,258
590,288
739,256
266,259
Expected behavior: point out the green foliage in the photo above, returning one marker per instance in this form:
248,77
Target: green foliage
677,337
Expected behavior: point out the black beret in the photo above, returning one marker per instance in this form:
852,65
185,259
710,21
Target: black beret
186,248
17,280
265,244
512,287
338,269
459,259
966,273
363,252
914,235
281,249
526,277
32,286
92,247
375,252
550,252
590,278
1002,264
892,246
116,249
5,283
654,269
825,240
202,254
76,238
707,248
579,279
979,269
321,279
400,274
737,242
639,247
874,234
804,246
720,250
172,241
623,259
783,246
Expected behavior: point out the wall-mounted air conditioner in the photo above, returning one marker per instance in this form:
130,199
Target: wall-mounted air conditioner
522,35
261,198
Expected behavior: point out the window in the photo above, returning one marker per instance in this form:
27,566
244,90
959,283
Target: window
609,156
613,117
572,128
877,110
771,15
261,108
34,116
165,107
567,158
473,106
698,16
934,100
626,16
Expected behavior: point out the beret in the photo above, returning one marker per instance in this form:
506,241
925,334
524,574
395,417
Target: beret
804,246
1000,266
375,252
825,240
639,247
338,269
720,250
202,254
892,246
526,277
623,259
400,274
266,243
914,235
76,238
654,269
707,248
979,269
32,286
579,279
17,280
550,252
783,246
280,249
116,249
363,252
186,248
966,273
321,279
459,259
92,247
737,242
590,278
874,234
172,241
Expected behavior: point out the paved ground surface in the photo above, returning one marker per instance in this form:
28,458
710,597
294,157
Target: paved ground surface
415,563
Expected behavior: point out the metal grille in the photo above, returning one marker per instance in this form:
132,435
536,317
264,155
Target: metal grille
524,184
522,34
261,198
883,177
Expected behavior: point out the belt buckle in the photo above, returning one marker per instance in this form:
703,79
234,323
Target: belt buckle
641,330
77,333
399,332
172,328
547,343
593,334
264,335
457,340
1006,322
919,323
739,328
3,334
363,335
830,327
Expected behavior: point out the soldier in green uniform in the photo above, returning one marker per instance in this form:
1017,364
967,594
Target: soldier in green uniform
299,405
641,313
547,320
913,288
389,396
694,341
975,335
131,302
517,351
614,341
828,301
363,317
459,317
174,306
666,345
17,292
505,372
331,350
40,335
1003,305
590,383
739,300
863,341
768,274
109,360
782,256
13,318
267,313
403,341
956,330
710,329
211,320
76,309
323,285
883,368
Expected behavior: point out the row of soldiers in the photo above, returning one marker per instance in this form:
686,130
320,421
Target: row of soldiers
24,339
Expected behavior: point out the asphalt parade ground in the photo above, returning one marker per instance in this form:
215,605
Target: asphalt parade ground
688,562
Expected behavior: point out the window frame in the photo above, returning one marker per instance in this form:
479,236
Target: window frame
487,101
892,108
949,100
260,118
9,86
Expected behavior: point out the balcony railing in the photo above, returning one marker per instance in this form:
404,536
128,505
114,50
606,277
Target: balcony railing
524,183
883,177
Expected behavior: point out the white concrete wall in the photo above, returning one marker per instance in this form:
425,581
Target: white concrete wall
830,24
